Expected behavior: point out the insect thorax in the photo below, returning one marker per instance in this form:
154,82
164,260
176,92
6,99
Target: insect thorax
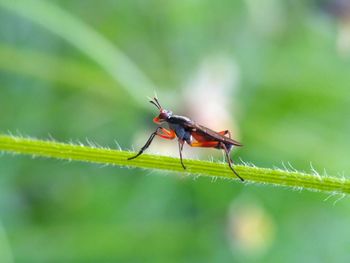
176,119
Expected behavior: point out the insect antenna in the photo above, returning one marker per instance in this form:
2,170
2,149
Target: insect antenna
156,100
156,103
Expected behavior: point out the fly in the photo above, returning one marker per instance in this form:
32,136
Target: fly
190,132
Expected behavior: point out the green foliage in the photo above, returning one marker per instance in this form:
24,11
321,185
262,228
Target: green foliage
87,40
80,69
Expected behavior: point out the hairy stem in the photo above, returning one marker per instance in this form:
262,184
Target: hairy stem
51,149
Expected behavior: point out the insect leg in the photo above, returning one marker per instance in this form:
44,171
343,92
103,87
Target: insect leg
148,143
181,146
165,134
223,146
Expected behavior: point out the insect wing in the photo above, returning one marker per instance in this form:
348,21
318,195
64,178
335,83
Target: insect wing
210,135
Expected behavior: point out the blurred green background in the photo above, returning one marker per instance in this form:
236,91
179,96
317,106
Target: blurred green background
276,73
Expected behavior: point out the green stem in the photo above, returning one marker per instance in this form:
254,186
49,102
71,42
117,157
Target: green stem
52,149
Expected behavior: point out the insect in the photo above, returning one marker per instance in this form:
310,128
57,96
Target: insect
190,132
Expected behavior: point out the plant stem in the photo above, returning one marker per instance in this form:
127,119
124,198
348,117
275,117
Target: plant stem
52,149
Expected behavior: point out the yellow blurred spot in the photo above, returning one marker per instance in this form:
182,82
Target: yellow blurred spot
251,228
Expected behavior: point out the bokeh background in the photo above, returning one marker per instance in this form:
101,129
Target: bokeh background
276,73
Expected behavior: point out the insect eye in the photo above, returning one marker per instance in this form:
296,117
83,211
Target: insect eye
163,115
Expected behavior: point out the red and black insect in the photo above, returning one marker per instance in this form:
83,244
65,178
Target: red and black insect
190,132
